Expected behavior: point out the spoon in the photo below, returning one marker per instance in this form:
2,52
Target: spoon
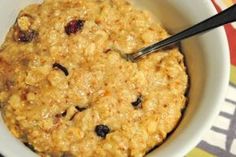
226,16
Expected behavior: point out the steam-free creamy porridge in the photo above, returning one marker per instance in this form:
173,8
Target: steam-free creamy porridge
65,91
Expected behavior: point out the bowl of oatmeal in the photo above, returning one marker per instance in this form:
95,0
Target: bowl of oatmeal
67,92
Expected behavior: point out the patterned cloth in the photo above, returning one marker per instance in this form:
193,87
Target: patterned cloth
220,140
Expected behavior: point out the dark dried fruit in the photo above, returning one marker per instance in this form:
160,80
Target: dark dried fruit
138,103
80,109
74,26
62,114
108,50
102,130
30,146
81,24
62,68
25,36
73,116
58,115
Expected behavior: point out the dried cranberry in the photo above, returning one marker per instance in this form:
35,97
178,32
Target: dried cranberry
26,36
138,103
74,26
102,130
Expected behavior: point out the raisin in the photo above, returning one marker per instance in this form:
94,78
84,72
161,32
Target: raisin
80,109
25,36
22,29
138,103
62,68
81,24
74,26
62,114
73,116
102,130
108,50
29,146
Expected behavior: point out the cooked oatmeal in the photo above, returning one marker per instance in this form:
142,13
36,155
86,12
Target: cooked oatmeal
65,91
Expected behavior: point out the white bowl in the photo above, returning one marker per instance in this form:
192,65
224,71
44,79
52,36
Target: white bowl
207,58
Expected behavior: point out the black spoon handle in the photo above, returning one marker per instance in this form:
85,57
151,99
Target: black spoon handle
226,16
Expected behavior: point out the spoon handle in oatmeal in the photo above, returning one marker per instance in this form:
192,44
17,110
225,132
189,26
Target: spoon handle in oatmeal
226,16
